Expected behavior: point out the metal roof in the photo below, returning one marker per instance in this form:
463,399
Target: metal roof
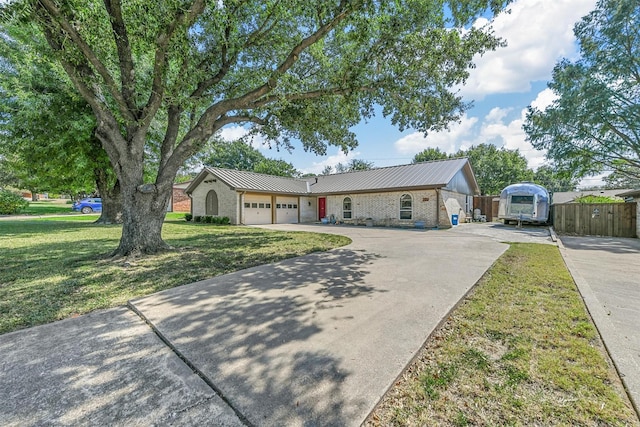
433,174
428,174
251,181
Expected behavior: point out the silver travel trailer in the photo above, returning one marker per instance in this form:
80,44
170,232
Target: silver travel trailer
524,202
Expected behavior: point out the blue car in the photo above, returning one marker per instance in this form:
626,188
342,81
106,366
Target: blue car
88,205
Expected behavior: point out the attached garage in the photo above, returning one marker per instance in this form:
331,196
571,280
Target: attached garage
257,209
286,210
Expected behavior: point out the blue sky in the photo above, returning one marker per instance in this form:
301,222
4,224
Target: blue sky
538,34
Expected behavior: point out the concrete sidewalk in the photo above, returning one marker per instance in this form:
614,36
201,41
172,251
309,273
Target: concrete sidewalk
314,340
104,368
607,272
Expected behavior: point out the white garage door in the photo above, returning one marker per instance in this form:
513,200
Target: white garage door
257,209
286,210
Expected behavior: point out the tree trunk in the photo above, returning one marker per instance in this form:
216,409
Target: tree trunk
144,209
107,184
111,204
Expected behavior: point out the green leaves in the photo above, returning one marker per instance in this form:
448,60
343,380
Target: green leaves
593,124
494,168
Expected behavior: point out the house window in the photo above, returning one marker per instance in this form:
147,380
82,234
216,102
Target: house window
346,208
211,203
247,205
261,205
254,205
277,205
406,207
267,205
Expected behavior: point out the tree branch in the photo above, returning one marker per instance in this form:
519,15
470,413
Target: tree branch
55,14
160,60
293,56
127,74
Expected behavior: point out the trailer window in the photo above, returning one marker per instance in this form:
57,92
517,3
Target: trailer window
522,200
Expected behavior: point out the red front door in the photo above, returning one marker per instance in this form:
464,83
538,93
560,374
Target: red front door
322,207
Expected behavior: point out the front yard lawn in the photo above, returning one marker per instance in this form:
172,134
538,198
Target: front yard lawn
48,207
54,269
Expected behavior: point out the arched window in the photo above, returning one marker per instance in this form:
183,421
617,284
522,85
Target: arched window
406,207
346,208
211,207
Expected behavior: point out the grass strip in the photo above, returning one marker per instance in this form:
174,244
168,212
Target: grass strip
520,350
59,268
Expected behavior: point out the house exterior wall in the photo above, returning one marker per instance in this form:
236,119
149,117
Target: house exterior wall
180,202
455,204
227,199
308,209
384,208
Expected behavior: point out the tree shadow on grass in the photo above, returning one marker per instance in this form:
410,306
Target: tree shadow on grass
44,279
263,336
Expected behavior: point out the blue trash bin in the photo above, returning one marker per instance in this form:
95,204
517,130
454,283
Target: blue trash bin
454,219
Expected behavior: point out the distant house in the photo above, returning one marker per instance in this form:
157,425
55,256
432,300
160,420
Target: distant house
426,193
180,201
562,197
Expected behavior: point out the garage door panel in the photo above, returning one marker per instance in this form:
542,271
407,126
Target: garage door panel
286,210
257,210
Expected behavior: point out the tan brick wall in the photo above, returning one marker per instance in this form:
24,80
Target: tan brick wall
384,208
180,201
308,209
227,199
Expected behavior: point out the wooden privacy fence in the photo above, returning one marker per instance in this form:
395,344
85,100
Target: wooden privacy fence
601,219
487,206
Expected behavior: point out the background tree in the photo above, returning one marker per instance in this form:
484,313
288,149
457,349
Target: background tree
276,167
239,155
554,180
352,166
594,123
236,155
47,134
496,168
429,154
328,170
296,70
622,177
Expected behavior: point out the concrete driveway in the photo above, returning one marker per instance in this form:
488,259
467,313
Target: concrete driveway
607,272
314,340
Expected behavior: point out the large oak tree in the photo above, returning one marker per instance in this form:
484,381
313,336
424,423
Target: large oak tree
170,74
594,124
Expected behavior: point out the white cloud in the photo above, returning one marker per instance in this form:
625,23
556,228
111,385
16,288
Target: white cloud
235,132
333,160
544,99
494,128
448,141
538,33
510,135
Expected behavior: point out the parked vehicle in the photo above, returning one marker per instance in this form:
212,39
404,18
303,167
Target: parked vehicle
88,205
524,202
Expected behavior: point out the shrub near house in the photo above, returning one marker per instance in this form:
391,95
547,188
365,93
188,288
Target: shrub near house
11,203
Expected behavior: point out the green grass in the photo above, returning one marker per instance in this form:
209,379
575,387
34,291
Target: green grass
520,350
48,207
59,268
